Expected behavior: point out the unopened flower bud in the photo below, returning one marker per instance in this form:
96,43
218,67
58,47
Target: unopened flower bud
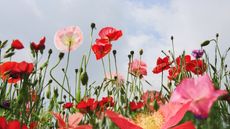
114,52
171,37
131,52
93,26
141,52
61,55
76,71
84,78
50,51
129,56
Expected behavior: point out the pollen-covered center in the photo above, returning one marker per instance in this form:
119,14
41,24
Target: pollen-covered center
150,121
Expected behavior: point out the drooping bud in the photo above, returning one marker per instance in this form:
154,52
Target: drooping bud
61,55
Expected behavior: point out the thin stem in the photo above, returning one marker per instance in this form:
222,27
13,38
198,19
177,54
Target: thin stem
110,71
103,66
91,42
65,74
51,75
78,92
66,69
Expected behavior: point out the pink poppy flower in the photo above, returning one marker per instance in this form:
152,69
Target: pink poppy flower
110,33
167,116
138,68
73,122
200,91
68,39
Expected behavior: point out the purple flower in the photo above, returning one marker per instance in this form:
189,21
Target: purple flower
5,104
197,53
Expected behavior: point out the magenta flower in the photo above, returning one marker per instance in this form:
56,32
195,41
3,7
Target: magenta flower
200,91
138,68
68,39
197,53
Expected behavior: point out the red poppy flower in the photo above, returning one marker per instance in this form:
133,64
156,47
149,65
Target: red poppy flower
17,44
197,66
183,60
33,125
135,105
3,124
68,105
173,72
87,105
162,64
15,124
101,48
13,71
110,33
106,102
40,46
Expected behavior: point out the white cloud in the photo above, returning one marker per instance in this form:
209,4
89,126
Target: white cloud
148,26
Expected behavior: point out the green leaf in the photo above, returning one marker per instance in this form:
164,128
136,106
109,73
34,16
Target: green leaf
9,55
3,44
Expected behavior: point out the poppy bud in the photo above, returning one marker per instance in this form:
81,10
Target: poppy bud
61,55
205,43
93,26
76,71
56,93
50,51
141,52
64,96
84,78
131,52
129,56
114,52
171,37
48,93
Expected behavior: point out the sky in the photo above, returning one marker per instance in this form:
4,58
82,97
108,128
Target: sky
146,24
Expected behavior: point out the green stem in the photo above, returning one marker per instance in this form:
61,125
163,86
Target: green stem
110,71
103,66
51,75
78,92
66,68
91,42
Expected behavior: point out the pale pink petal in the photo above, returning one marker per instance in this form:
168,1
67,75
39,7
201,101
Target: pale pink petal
61,122
202,93
75,119
72,32
186,125
120,121
173,113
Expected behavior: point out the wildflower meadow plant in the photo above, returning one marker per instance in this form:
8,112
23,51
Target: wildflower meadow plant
194,95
